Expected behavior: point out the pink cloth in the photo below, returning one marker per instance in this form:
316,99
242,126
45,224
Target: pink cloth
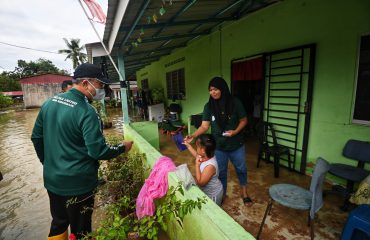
155,186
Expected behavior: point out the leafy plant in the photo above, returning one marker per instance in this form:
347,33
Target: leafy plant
127,173
5,101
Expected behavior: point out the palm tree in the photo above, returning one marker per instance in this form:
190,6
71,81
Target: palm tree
74,51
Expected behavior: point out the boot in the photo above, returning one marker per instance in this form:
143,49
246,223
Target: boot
62,236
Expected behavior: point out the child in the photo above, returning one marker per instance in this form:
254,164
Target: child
206,168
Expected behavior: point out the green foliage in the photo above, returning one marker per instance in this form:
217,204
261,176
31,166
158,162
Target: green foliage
167,209
74,51
5,101
39,66
9,83
128,171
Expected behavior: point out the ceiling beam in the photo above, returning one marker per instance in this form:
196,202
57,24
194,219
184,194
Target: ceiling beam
179,23
176,36
225,9
172,19
156,50
137,19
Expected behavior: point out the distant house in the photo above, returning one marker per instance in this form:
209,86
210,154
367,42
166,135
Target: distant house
14,94
37,89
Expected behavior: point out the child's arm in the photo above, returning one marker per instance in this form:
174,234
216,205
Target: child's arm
190,148
203,178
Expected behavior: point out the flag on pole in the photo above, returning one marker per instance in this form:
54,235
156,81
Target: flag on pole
96,11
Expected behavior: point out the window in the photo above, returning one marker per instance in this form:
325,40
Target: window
176,84
144,84
361,113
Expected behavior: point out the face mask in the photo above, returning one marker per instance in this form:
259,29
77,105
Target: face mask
100,93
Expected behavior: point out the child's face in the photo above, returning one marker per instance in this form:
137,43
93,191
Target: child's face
200,149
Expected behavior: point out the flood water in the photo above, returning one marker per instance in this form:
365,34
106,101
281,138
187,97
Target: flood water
24,204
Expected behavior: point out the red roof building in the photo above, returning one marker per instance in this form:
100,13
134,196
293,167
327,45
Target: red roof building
13,94
37,89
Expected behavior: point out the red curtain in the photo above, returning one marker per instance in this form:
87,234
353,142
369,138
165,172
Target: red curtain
249,70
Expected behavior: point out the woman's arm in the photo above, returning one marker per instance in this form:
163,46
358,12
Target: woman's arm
203,178
202,129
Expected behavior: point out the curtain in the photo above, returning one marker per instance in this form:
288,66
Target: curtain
249,70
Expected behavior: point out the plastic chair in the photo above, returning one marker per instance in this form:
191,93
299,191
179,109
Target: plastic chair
293,196
359,219
357,151
276,150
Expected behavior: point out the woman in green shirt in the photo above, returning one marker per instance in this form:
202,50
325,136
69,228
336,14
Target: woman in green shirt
227,118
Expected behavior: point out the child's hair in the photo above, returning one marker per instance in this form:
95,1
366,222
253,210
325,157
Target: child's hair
208,142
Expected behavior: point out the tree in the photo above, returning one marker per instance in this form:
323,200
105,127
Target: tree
36,67
74,51
9,83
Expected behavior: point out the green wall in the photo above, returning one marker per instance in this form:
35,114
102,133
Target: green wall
335,27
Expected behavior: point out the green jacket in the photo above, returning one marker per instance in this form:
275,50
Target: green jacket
226,143
68,140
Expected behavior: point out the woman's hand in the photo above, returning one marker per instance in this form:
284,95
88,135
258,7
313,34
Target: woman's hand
229,133
188,139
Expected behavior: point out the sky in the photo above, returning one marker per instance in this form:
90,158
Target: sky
42,24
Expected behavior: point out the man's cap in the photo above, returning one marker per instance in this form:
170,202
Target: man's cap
88,70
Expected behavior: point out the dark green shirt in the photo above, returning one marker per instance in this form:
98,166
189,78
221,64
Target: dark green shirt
226,143
68,140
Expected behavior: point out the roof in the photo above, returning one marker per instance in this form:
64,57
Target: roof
13,94
45,78
143,41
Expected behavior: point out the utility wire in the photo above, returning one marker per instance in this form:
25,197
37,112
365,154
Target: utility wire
33,49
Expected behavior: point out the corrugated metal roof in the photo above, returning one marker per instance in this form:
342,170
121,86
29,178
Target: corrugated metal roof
45,78
182,22
12,94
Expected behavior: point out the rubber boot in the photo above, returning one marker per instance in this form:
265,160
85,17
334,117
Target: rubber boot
62,236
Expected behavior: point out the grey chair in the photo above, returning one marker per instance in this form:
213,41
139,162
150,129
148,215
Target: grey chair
358,151
296,197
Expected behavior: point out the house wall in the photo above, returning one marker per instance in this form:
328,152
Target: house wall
334,26
34,95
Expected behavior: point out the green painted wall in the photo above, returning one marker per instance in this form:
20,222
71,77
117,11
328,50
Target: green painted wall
212,216
149,131
335,26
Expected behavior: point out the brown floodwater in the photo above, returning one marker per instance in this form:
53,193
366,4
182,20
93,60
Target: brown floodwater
24,204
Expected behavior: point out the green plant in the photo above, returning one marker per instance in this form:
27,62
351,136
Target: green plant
124,177
122,220
168,209
5,101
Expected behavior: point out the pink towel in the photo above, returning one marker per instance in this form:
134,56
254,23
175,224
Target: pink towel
155,186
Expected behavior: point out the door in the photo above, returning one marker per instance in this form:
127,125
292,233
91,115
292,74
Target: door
287,102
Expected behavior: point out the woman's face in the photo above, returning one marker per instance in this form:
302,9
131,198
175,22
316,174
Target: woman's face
215,93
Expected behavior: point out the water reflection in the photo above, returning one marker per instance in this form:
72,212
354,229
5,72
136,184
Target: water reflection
24,207
24,204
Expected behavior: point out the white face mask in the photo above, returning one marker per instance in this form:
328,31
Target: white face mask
99,93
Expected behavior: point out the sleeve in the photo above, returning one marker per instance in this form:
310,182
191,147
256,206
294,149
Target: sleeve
94,139
206,116
240,109
37,137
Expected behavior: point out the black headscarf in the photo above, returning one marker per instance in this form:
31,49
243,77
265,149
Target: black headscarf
221,108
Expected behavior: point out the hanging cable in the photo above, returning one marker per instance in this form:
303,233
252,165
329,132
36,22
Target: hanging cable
33,49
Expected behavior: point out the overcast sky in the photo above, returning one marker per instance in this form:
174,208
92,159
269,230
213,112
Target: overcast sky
42,24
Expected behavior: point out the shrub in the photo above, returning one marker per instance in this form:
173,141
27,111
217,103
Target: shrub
5,101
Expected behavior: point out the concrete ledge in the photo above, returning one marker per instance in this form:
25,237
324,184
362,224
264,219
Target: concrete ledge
211,222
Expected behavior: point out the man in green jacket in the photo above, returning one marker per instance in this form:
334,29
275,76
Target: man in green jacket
68,140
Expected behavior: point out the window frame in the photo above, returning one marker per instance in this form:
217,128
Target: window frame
175,84
358,121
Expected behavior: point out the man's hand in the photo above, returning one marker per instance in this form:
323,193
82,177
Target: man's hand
128,145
